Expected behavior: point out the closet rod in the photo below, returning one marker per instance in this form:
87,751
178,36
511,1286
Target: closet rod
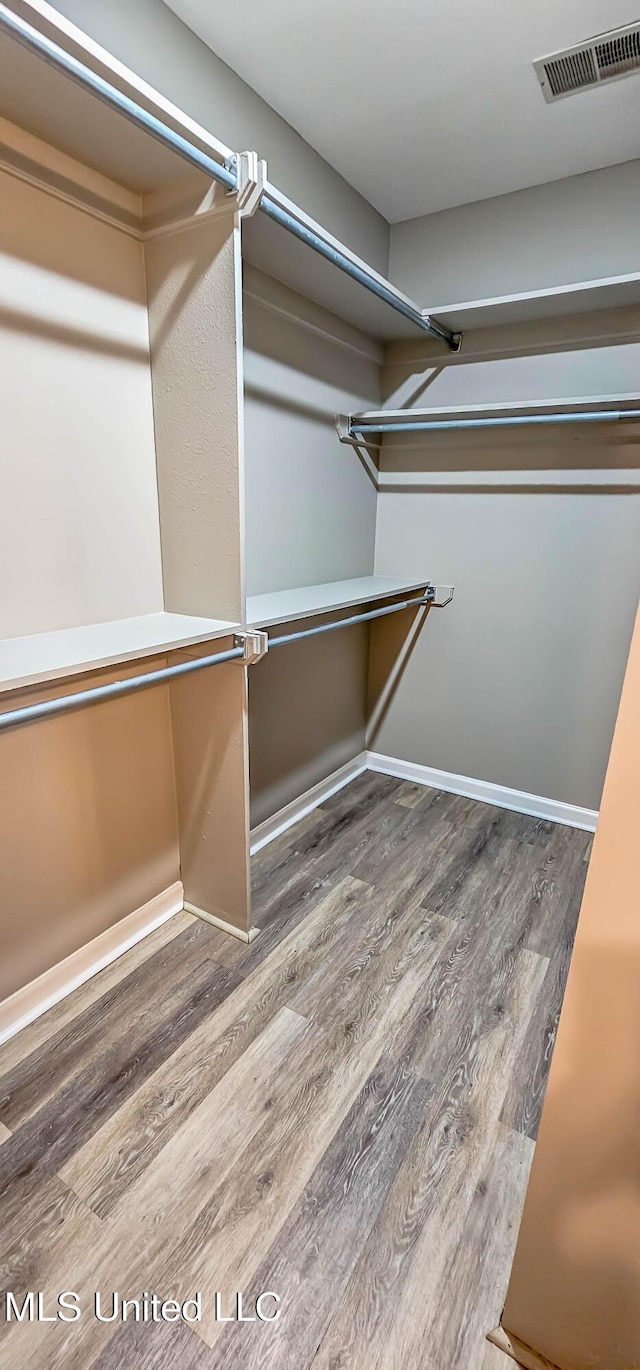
110,95
371,283
14,717
355,618
56,56
516,421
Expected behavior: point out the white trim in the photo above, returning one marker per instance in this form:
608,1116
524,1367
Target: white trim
41,994
230,928
312,799
504,798
543,478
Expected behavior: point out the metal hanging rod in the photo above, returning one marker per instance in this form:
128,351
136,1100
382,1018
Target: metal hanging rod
110,95
427,598
14,717
56,56
358,273
516,421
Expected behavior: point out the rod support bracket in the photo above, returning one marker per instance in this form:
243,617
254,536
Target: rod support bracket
251,175
441,333
254,645
439,596
343,429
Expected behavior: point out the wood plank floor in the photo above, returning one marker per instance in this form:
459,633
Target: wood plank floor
343,1112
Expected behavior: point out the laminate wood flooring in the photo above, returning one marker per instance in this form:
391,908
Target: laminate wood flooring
342,1113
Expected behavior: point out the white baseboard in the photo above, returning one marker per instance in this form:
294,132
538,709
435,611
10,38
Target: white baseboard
504,798
311,799
221,923
35,998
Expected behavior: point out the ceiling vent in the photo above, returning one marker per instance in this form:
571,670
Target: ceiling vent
605,58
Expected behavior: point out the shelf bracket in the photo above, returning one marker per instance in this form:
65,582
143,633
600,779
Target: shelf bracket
251,175
440,595
254,645
343,429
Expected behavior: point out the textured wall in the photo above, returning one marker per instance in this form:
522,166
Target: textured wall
193,281
76,421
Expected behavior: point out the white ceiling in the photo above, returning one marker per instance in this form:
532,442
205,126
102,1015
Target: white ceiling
425,104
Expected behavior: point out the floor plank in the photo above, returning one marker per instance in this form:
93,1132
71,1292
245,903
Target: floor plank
342,1111
316,1250
395,1289
471,1295
128,1141
63,1124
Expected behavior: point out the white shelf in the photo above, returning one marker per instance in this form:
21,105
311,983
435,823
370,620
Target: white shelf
50,105
584,297
43,657
592,404
284,606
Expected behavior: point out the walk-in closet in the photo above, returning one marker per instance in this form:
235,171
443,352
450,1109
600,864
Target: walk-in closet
320,558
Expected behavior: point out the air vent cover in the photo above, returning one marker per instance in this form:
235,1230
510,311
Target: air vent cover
605,58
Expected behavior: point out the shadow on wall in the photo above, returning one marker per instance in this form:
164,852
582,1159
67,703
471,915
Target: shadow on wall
294,332
307,715
392,644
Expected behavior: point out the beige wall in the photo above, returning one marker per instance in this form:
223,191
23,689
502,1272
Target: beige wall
576,229
310,503
574,1294
87,804
307,715
88,824
76,422
517,683
310,518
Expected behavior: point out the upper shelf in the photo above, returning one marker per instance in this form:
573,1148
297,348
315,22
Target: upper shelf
43,657
49,104
584,297
61,88
284,606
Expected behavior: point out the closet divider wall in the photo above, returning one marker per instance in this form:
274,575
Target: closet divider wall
194,286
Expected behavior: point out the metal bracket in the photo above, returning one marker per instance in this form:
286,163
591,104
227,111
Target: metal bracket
440,595
343,429
255,646
440,331
251,174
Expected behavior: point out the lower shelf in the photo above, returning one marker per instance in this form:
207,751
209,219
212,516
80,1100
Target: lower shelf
40,657
284,606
